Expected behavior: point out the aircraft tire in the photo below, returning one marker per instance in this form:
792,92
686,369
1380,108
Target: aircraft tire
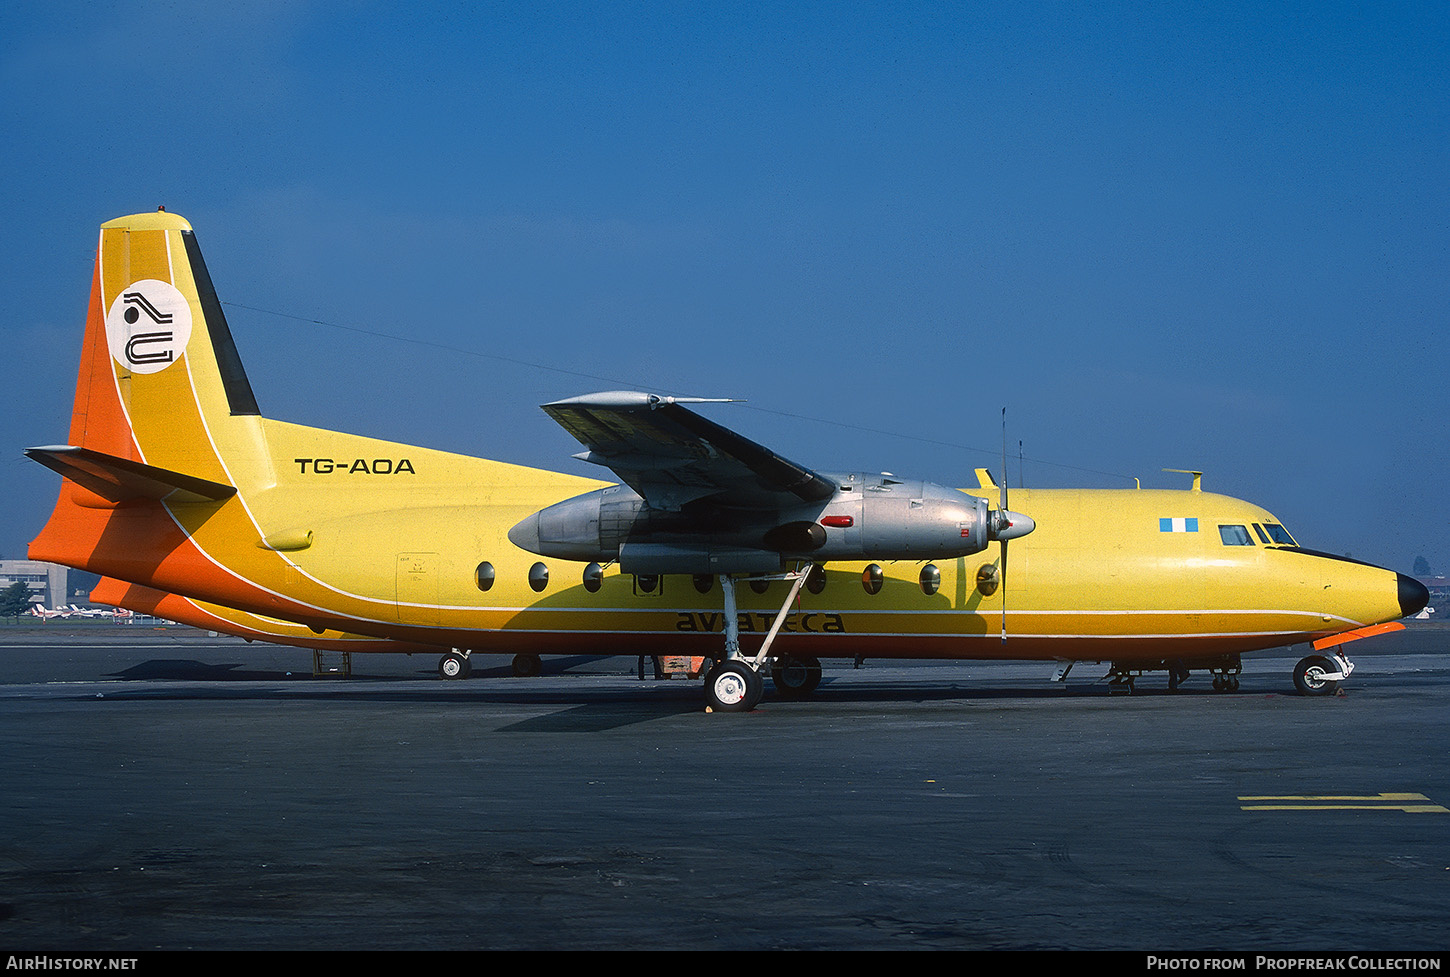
795,678
733,687
1309,676
527,666
454,666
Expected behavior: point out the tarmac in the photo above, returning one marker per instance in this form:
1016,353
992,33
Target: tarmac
162,789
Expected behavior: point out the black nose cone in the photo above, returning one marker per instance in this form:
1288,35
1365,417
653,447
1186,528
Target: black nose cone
1413,595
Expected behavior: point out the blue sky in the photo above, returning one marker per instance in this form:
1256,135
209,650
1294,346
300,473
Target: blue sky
1195,236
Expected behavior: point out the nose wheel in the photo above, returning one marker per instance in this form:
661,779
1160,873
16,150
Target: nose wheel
1316,675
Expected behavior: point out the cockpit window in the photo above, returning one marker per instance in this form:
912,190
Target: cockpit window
1272,534
1279,534
1235,536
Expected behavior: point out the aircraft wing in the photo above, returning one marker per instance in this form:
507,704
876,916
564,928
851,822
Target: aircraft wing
672,456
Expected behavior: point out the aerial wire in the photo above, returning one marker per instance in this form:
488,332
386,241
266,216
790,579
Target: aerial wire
631,385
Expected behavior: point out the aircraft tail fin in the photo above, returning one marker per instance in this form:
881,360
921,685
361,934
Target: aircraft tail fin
154,322
163,410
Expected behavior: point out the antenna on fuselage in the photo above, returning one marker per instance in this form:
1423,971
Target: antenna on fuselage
1197,477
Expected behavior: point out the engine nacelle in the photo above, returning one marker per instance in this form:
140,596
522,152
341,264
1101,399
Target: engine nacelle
915,520
870,517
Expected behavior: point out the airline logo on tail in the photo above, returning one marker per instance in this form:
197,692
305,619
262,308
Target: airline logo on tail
148,326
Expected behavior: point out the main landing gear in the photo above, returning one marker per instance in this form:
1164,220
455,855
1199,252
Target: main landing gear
1225,670
795,678
736,682
455,664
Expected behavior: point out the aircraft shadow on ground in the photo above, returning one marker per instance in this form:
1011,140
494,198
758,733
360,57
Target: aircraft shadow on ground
626,701
189,670
500,685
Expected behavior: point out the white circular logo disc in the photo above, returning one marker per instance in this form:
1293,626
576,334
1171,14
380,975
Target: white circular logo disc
148,326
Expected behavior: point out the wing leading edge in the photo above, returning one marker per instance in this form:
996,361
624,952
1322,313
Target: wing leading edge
672,456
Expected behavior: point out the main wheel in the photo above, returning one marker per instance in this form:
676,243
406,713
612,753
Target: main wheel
454,665
527,666
795,678
1310,676
733,687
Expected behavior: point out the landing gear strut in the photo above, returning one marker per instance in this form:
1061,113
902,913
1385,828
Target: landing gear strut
735,684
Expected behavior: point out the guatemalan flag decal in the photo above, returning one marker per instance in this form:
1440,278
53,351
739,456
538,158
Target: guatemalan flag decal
1178,525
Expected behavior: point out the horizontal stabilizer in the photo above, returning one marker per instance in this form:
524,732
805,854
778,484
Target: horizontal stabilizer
122,480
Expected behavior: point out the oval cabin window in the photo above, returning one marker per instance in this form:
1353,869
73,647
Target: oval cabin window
930,579
871,579
816,578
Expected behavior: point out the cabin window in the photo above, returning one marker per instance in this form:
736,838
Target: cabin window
593,578
930,579
646,583
703,582
538,577
760,584
484,575
816,578
1235,536
871,579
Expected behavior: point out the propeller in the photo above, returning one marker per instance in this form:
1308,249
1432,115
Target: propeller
1006,524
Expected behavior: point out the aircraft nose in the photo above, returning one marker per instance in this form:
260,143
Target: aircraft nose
1413,595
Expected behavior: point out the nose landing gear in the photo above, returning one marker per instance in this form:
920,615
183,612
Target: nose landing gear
1320,674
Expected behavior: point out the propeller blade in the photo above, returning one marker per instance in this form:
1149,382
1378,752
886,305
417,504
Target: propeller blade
1002,540
1003,561
1004,524
1002,486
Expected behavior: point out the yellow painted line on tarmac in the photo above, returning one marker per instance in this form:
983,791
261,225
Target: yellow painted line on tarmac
1408,803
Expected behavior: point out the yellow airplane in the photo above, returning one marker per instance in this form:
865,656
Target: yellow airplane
191,504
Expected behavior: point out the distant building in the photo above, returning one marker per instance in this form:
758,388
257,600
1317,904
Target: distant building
1439,588
47,581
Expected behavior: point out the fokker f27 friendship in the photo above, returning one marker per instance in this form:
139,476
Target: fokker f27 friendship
193,506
